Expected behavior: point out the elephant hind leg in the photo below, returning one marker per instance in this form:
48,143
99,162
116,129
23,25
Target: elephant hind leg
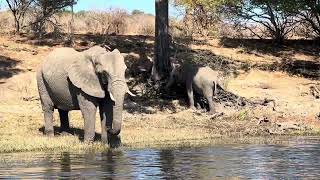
47,105
208,93
48,122
64,121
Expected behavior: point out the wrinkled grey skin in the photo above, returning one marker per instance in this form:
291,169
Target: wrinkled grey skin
70,80
201,79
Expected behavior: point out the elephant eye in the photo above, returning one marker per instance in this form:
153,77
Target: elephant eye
104,77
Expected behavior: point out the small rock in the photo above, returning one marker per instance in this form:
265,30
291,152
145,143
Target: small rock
216,115
263,120
29,68
274,131
150,110
289,126
32,98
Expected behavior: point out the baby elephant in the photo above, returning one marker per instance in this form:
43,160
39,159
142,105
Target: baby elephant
201,79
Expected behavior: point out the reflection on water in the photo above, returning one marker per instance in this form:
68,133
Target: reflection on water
295,160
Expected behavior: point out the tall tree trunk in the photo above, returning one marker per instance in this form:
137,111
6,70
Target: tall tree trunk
71,27
161,65
17,25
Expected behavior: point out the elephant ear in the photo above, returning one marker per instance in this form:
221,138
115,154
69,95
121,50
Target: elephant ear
82,74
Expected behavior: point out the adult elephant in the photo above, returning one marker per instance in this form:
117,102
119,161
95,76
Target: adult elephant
70,80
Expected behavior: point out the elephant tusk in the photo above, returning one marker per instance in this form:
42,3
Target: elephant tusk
130,93
111,97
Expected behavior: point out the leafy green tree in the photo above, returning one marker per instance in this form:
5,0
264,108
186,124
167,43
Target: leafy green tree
274,17
18,9
203,15
271,18
136,12
44,10
309,13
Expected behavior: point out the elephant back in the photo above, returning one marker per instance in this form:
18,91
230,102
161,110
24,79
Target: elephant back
55,76
208,73
57,61
95,50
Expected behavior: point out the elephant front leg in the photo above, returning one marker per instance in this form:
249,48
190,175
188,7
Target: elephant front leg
88,107
89,116
106,123
107,116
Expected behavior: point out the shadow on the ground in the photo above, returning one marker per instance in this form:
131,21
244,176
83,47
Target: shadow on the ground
143,46
156,98
306,69
289,64
139,47
266,46
8,67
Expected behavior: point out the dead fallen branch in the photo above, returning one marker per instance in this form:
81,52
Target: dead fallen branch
315,92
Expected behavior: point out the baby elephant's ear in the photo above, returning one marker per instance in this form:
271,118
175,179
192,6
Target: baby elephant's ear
82,74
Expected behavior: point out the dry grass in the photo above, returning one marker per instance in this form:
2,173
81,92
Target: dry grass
21,130
110,21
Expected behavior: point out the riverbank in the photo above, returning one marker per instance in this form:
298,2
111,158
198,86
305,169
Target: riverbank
160,122
21,129
282,158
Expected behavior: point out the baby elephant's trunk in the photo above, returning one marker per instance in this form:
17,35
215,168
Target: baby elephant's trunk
214,88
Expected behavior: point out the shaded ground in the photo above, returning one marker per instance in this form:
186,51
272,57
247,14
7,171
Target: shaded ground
296,57
7,67
152,121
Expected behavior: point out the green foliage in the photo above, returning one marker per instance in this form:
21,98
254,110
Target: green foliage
208,4
54,5
44,10
265,18
308,11
137,12
273,18
202,16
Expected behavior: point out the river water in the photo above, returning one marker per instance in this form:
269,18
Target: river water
298,158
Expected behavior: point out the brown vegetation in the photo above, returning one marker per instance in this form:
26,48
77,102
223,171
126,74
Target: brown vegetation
113,21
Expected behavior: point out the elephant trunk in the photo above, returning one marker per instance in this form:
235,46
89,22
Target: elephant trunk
118,92
117,119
